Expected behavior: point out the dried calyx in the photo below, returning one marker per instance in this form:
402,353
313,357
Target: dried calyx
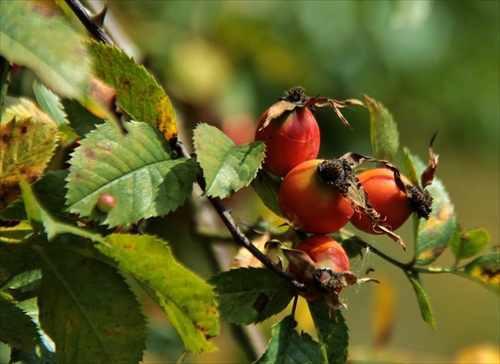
339,173
296,97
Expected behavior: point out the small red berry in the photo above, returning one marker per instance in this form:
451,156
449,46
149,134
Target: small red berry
106,203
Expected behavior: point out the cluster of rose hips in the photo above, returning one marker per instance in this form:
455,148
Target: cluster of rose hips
319,196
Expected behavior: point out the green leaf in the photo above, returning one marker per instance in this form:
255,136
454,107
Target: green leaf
383,131
88,310
47,45
470,243
438,232
27,143
423,301
50,104
50,190
137,91
267,186
287,346
17,329
409,168
37,214
485,269
14,211
332,331
136,169
82,121
188,301
226,167
251,295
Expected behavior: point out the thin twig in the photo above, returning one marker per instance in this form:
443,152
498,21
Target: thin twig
407,267
235,231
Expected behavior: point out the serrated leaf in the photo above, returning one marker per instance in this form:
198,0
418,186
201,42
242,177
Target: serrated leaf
17,329
26,146
50,104
47,45
23,108
137,91
384,133
37,214
332,331
470,243
435,234
90,320
188,301
423,301
136,169
485,269
267,187
287,346
226,167
251,295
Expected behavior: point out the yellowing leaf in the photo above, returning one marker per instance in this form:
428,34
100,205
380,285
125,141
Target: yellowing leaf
137,91
27,142
188,301
485,269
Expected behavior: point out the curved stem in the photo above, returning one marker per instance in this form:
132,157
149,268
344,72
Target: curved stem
382,255
408,267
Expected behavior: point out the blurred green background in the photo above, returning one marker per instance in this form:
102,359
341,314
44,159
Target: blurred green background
433,64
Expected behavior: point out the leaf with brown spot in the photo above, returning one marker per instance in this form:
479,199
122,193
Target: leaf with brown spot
251,295
438,232
485,269
137,169
26,146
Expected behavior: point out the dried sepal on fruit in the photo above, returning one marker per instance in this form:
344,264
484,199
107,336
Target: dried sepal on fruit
340,173
290,131
396,206
322,265
296,98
